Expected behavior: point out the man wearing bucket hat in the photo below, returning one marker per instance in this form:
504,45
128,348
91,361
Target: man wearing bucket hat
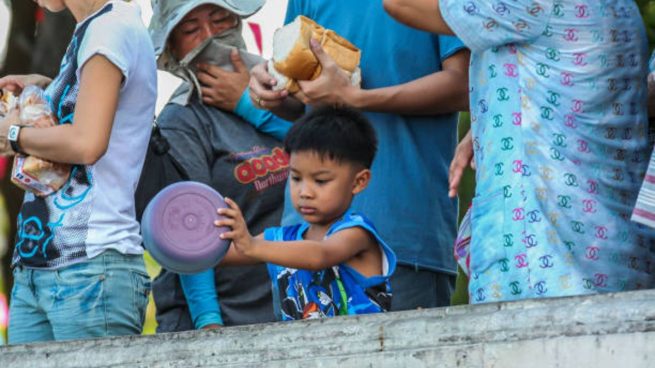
210,126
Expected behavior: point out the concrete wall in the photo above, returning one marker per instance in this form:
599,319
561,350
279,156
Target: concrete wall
614,330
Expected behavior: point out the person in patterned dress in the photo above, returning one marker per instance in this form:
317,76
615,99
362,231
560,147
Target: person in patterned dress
559,135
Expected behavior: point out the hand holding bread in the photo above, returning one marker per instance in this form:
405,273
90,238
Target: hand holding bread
294,58
316,65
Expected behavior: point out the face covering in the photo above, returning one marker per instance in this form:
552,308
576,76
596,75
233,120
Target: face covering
216,51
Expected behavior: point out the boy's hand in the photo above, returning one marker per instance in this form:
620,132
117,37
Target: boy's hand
242,241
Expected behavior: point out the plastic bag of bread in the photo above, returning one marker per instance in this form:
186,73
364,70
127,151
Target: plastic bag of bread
30,173
293,59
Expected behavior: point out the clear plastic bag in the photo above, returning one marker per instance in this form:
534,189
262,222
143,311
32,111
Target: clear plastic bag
33,174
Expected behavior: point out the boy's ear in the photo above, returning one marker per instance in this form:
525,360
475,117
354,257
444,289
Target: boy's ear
361,180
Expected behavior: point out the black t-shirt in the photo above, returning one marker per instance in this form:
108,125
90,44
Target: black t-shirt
223,151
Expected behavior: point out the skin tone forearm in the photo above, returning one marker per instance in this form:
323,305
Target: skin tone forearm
86,140
302,254
423,96
441,92
421,14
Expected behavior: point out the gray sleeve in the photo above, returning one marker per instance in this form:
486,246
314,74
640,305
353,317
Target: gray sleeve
189,140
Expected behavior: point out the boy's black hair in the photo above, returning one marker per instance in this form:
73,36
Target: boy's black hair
341,134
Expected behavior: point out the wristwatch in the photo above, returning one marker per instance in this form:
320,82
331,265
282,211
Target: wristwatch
12,137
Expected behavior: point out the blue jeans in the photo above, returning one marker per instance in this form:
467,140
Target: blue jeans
421,288
105,296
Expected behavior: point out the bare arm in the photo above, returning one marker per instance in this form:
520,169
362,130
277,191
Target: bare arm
421,14
86,140
302,254
437,93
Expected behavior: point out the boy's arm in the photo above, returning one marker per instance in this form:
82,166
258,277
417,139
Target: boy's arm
304,254
309,254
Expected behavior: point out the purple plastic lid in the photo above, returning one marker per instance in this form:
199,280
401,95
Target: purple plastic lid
178,227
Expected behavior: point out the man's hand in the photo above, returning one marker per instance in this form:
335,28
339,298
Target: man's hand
332,87
242,241
463,158
16,83
221,88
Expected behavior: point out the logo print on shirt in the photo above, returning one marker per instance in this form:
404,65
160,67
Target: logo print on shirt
571,34
521,260
579,59
502,94
577,227
540,288
498,121
601,232
553,98
582,11
589,206
511,70
254,168
507,143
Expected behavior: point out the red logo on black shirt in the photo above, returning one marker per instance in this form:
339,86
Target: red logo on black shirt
258,167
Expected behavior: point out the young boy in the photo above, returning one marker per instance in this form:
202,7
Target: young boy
334,263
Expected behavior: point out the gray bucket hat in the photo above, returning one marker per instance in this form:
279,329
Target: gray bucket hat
166,14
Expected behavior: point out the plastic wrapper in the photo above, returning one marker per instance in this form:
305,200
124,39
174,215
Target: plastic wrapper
30,173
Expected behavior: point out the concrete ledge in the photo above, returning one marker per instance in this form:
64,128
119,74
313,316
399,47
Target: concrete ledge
612,330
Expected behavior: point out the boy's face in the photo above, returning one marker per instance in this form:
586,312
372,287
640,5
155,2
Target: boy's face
321,188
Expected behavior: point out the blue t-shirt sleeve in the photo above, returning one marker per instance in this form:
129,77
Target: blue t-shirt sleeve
294,9
486,24
448,46
200,292
263,120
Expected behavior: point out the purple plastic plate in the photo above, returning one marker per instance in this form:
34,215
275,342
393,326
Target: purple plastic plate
178,227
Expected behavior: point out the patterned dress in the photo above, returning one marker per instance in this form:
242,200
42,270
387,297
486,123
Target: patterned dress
558,109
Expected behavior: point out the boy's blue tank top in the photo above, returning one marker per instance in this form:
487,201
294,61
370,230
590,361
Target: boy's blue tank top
340,290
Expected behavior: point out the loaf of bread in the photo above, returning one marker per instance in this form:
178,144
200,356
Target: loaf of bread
293,59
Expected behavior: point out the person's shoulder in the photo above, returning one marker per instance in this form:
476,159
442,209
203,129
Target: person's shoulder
119,20
353,219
